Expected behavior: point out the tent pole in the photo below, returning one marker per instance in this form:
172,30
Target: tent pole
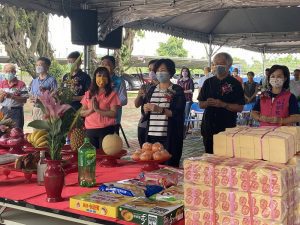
263,59
86,58
210,51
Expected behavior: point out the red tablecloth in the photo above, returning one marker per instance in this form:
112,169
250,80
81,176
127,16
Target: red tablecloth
15,188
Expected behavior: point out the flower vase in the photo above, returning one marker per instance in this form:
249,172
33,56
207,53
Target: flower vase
54,180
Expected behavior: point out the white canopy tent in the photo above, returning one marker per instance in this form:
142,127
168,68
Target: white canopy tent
267,26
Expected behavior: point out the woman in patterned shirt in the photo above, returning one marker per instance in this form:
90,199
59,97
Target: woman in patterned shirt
164,111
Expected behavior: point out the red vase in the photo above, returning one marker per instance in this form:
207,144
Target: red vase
54,179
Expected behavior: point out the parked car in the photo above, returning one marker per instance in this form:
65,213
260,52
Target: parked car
132,81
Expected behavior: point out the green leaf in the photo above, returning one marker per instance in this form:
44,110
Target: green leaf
39,124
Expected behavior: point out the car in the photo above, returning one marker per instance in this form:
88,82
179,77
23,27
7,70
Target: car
133,81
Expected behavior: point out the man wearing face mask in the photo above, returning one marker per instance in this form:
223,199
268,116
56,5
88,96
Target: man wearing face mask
13,95
139,101
118,84
221,96
295,84
81,80
44,81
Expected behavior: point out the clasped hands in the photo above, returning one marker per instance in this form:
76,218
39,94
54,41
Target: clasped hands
149,107
268,119
95,105
216,103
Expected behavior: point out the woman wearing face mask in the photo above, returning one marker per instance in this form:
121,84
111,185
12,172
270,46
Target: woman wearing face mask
186,82
278,106
99,106
164,111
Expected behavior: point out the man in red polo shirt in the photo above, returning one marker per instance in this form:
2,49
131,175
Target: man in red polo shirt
13,95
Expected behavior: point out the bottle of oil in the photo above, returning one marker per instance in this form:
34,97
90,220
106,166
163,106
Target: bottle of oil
41,167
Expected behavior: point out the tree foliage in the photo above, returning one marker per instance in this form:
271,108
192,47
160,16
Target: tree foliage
25,36
172,48
123,55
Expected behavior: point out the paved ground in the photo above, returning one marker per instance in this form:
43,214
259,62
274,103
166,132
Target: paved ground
193,145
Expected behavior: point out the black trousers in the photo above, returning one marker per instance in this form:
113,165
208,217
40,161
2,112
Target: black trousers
208,143
96,135
142,135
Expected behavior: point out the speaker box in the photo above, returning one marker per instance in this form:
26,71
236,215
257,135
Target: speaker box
84,27
113,40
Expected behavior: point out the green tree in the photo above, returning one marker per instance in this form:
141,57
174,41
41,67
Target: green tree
25,36
172,48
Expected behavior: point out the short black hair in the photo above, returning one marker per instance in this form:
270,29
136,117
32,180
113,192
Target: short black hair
168,63
267,69
153,61
297,70
251,73
46,60
286,73
110,58
73,55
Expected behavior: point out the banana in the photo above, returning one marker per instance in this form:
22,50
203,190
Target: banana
42,144
41,139
29,137
38,134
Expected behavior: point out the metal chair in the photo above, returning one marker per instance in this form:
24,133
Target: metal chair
194,118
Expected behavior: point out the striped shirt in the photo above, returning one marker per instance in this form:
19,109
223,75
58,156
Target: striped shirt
158,124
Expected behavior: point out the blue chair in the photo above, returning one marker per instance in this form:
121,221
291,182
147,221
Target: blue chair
194,118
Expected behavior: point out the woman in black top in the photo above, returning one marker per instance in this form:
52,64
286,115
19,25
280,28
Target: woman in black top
164,111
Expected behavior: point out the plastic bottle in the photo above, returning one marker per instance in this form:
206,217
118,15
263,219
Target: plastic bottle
87,164
41,167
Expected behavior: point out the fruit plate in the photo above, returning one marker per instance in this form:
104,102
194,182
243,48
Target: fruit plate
14,148
104,160
150,165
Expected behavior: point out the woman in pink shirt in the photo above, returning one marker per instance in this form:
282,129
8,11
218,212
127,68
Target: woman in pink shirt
99,107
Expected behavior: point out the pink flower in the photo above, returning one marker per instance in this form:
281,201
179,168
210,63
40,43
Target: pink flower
53,109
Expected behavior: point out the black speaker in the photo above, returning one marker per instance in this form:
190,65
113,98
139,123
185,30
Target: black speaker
113,40
84,27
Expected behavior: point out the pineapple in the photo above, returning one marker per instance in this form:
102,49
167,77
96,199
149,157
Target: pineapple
77,138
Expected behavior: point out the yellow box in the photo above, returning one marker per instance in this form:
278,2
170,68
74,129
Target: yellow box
278,147
200,217
200,170
101,203
229,220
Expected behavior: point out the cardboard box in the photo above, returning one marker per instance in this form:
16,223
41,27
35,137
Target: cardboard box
257,143
97,202
147,212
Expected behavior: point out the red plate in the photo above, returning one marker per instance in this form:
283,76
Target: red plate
150,165
109,160
14,148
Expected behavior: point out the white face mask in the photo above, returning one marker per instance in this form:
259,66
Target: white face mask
39,69
276,82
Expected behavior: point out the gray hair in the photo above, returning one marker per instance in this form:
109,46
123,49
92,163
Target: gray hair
226,56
